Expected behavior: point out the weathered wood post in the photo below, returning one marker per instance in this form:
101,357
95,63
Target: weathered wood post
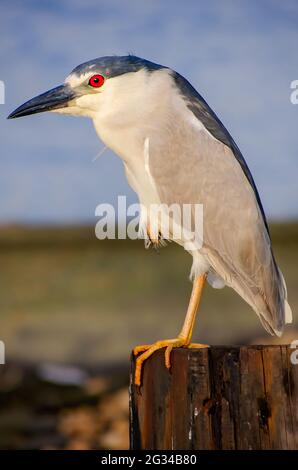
217,398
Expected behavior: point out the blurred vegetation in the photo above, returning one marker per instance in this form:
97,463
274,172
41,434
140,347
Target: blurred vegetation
67,297
71,309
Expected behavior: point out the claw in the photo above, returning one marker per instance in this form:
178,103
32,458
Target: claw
141,348
148,350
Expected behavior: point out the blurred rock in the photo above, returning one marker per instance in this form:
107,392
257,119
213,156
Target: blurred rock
97,386
81,422
55,407
78,444
61,374
117,437
104,426
10,377
113,412
114,406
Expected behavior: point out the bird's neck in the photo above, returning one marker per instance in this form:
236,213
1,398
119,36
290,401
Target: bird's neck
130,115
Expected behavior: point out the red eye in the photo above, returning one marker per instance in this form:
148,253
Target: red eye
96,81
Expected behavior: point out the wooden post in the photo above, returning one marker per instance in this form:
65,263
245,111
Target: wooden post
216,398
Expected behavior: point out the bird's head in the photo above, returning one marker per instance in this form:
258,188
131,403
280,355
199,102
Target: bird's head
105,87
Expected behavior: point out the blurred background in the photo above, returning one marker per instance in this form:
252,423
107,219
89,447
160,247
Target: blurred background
72,307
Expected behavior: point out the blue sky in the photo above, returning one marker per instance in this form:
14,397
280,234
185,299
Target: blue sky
241,56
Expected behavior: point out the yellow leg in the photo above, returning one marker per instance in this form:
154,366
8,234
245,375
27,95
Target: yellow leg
183,339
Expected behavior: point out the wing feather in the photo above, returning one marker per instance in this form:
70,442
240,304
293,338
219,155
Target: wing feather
190,166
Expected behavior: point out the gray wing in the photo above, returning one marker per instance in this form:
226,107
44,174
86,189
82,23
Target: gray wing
200,108
190,166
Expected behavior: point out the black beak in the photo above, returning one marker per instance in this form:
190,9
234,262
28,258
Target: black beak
53,99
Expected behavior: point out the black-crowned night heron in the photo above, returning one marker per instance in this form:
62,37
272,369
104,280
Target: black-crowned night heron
176,151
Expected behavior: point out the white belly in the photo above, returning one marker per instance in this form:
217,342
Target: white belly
135,154
140,180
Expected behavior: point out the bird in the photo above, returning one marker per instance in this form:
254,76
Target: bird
176,150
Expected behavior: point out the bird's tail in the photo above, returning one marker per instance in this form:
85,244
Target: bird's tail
263,288
274,311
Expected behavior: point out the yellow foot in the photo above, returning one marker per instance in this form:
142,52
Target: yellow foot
148,349
198,345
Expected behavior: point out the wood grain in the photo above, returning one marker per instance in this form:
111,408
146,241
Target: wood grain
216,398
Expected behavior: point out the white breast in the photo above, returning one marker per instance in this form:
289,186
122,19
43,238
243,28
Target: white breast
140,179
134,112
